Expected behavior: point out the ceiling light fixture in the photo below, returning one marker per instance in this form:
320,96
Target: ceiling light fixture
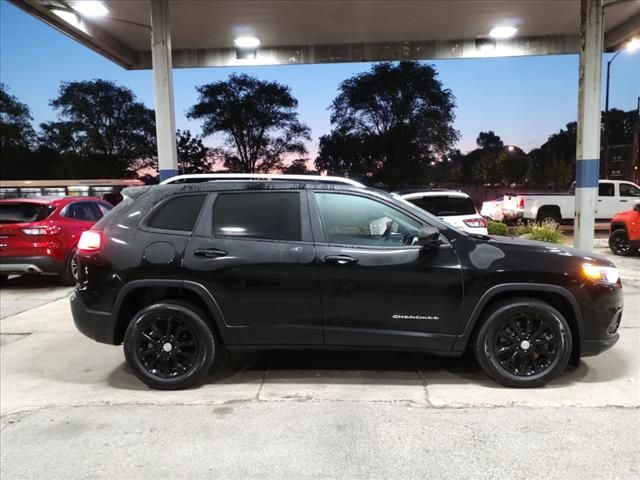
504,31
247,42
90,8
633,45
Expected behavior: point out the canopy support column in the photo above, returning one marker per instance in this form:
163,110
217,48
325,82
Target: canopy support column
163,89
588,134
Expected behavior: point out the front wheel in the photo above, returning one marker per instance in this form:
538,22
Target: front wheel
619,242
170,345
523,343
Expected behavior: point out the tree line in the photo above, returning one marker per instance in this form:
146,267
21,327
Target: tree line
391,126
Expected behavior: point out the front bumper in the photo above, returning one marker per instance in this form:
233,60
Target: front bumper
34,264
97,325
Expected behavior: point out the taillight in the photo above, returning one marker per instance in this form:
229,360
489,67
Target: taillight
478,222
90,241
49,230
521,204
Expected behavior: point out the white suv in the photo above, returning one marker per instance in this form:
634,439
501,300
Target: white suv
451,206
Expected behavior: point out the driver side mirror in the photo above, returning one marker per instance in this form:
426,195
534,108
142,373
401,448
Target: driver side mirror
637,207
429,237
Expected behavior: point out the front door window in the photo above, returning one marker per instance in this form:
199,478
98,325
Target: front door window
355,220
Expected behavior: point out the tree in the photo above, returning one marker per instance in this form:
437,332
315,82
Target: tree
103,124
553,163
402,117
345,155
193,156
258,119
489,141
298,167
16,131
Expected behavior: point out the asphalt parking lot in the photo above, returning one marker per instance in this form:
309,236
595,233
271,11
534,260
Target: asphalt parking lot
71,409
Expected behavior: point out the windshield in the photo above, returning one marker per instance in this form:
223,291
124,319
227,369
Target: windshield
24,212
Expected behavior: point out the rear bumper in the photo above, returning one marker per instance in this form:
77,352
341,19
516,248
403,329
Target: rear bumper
512,215
94,324
35,264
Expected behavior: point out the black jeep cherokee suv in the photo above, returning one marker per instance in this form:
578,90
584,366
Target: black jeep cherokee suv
179,272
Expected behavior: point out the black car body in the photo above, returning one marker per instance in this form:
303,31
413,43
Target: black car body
279,264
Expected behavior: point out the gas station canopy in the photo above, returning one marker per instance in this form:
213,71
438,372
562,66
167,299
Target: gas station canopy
315,31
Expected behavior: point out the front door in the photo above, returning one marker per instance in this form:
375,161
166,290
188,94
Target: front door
378,288
608,204
253,252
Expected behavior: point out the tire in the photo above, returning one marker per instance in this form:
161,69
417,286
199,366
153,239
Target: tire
619,243
3,279
532,358
549,217
68,275
182,349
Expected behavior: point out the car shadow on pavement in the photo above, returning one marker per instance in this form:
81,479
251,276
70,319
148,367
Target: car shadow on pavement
32,282
364,368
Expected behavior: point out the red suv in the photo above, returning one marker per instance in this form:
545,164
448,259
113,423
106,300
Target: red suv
39,235
624,232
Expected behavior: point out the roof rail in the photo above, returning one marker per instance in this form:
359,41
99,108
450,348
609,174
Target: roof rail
209,177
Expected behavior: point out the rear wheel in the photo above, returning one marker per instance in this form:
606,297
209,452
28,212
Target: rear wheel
523,342
69,273
549,216
619,242
170,345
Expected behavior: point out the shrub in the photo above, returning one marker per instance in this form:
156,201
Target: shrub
522,229
546,232
497,228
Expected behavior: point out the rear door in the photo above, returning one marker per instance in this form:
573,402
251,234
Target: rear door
629,196
378,288
75,218
253,251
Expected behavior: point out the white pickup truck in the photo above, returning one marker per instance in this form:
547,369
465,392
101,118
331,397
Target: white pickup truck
613,196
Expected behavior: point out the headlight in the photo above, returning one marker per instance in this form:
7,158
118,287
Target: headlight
601,274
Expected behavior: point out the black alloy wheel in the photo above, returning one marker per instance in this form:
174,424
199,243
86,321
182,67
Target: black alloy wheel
523,342
167,345
170,345
619,242
526,344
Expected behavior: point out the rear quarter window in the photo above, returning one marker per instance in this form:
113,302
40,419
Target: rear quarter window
24,212
445,206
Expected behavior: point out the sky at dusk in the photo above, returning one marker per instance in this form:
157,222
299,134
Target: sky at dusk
523,100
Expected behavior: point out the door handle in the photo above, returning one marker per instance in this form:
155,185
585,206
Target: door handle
340,259
624,201
209,252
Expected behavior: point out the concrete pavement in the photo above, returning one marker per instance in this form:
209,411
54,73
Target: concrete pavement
71,409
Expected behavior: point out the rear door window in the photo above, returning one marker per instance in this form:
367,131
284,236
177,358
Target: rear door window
82,211
24,212
104,209
259,215
629,190
445,205
179,213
